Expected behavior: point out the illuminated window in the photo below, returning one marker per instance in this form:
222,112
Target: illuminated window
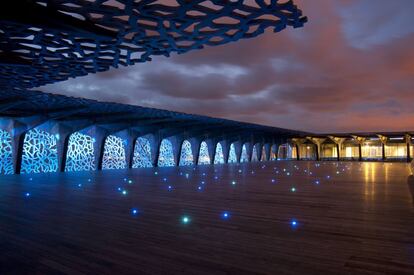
219,157
39,152
244,156
6,156
114,153
80,155
263,156
232,154
203,157
186,157
166,156
254,155
142,153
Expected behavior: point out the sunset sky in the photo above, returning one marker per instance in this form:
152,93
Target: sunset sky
350,68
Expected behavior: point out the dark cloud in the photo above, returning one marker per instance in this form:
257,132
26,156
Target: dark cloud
351,68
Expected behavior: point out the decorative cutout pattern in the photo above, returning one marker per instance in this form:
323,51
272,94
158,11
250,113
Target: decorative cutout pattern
6,156
244,156
166,156
219,157
80,155
203,156
114,153
186,157
62,39
254,154
142,153
39,152
232,154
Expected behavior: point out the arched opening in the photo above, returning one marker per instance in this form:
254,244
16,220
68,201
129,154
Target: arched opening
307,151
166,155
244,156
114,153
6,154
39,152
273,152
350,150
329,150
142,153
203,157
255,157
186,157
372,149
219,156
263,157
80,153
232,154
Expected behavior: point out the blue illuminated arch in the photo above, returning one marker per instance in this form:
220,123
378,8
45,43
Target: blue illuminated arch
232,154
6,156
263,157
80,155
186,157
142,153
39,152
244,156
203,156
219,157
254,154
166,155
114,153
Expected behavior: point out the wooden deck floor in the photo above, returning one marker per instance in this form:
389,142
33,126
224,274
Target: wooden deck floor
360,220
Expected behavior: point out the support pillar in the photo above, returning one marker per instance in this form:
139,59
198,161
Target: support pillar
408,143
268,148
238,148
226,150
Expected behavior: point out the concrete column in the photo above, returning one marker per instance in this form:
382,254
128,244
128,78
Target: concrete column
359,152
408,143
249,150
17,147
211,146
238,148
226,150
99,136
317,150
297,152
195,148
338,152
176,143
155,149
267,151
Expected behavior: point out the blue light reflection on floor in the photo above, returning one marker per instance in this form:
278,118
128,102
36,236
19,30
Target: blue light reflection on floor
202,177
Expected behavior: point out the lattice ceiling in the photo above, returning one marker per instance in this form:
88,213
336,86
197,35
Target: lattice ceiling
47,41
